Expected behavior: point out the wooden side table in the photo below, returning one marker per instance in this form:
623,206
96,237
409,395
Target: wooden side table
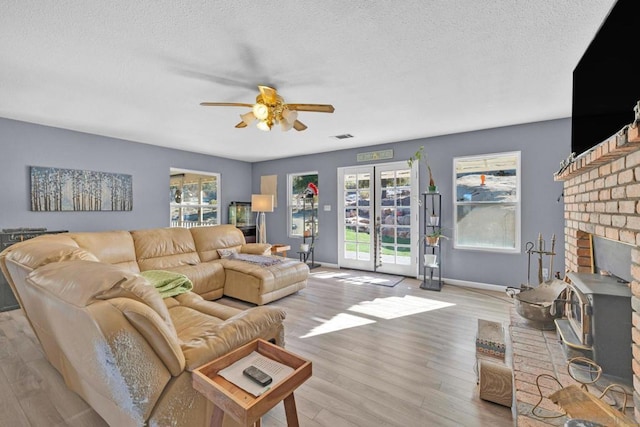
280,249
240,405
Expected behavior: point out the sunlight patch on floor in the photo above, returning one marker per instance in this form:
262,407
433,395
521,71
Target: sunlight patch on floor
381,308
329,274
394,307
365,280
351,279
336,323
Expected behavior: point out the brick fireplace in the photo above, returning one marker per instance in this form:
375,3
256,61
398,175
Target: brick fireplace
602,198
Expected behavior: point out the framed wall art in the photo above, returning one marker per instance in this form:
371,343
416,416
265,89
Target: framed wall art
55,189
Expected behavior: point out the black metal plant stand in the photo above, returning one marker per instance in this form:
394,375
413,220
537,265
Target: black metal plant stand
432,260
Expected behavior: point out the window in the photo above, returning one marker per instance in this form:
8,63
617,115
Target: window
297,184
487,202
193,198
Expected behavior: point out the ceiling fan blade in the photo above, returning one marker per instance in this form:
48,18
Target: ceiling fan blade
269,94
299,126
320,108
225,104
241,125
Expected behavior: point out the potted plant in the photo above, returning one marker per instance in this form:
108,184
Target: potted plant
433,238
417,157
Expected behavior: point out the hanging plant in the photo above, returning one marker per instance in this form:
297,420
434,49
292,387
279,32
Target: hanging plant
420,155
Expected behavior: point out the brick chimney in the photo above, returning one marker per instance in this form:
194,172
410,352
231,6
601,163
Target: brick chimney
602,198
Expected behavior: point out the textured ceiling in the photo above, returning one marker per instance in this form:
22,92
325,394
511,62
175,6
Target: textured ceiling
394,70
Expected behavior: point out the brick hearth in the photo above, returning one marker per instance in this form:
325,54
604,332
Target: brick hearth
536,352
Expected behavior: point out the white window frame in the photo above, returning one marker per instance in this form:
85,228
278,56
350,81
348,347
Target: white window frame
294,203
516,203
200,205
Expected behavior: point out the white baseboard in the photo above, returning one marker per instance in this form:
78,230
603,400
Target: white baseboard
475,285
327,264
454,282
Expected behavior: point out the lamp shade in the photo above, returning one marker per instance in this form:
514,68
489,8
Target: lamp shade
264,125
285,125
290,115
261,111
262,203
248,118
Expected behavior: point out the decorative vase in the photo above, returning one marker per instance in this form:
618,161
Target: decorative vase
434,220
433,189
304,247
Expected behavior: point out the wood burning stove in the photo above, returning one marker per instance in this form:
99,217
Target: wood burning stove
597,322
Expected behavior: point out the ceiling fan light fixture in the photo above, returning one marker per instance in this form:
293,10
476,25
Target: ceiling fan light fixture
260,111
289,116
286,125
270,109
264,125
248,118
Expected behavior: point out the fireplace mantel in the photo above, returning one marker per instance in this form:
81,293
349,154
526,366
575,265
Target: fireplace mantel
617,146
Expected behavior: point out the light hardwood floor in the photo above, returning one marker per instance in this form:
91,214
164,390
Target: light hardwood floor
381,356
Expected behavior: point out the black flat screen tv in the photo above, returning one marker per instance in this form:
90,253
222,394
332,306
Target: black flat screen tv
606,81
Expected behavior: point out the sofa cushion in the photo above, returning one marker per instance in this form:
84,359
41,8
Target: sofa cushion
211,308
34,256
113,247
268,278
80,283
164,248
204,340
209,239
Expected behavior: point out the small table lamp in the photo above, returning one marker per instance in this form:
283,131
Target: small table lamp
261,203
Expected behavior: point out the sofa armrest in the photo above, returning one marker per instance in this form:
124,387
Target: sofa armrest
211,308
256,248
156,332
231,334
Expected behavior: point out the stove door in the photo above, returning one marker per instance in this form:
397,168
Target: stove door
578,312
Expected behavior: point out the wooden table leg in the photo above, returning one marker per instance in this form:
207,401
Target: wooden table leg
290,410
217,417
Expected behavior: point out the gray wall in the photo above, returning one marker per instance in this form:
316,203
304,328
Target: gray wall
543,145
24,144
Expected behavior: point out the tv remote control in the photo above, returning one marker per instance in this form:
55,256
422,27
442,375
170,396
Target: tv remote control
257,375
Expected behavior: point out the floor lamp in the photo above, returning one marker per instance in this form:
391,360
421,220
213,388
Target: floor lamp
261,203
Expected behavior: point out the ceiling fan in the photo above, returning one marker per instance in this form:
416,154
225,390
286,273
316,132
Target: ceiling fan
271,110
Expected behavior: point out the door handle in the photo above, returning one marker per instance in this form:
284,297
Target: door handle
378,243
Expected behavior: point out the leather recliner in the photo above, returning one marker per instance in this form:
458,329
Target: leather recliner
124,349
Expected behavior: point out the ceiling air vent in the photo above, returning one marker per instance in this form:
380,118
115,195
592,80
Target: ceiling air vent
343,136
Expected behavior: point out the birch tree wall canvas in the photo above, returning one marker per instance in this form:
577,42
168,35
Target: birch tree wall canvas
55,189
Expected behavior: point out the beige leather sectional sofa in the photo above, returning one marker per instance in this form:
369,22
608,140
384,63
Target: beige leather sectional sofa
194,252
124,349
